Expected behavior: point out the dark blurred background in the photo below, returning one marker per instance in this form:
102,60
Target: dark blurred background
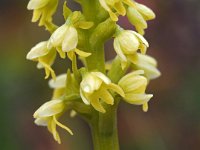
173,120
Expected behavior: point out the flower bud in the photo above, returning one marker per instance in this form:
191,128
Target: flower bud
137,20
146,12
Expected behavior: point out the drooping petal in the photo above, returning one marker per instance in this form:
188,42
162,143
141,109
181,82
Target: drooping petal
48,69
52,129
61,125
82,53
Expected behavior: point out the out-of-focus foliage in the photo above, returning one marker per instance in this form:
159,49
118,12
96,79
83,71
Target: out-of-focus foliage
172,121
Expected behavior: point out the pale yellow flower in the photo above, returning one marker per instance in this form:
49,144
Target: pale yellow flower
43,10
134,86
94,90
127,43
146,63
65,39
44,56
48,114
138,15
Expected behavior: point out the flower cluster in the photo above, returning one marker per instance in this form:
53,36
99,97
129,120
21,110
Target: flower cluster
91,88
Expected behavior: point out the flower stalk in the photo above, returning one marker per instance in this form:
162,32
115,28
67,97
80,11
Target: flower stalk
95,90
104,130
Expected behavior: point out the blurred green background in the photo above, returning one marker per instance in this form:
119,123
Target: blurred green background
173,120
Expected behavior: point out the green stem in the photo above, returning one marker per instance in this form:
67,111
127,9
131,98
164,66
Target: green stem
97,60
104,130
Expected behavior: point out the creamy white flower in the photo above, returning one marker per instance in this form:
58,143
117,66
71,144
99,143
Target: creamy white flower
138,16
95,87
43,10
48,114
44,56
127,43
65,39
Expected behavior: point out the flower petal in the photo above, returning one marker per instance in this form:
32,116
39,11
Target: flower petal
101,76
38,50
119,50
85,100
82,53
138,99
71,40
50,108
58,36
42,121
60,82
37,4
